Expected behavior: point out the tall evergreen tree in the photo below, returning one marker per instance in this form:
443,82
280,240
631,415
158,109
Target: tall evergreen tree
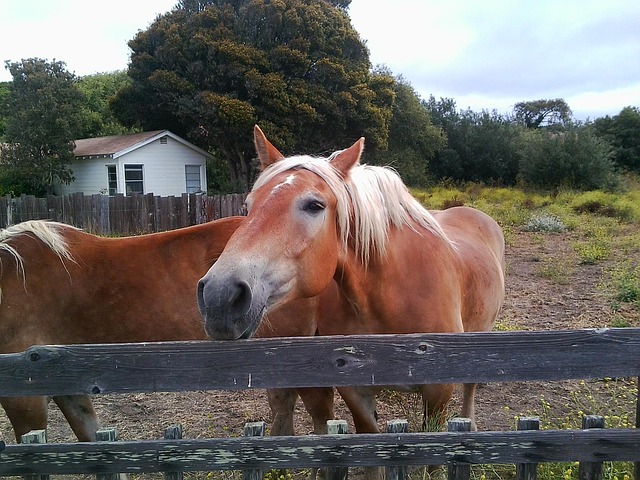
210,70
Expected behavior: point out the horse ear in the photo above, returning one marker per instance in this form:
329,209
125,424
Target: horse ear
349,158
267,153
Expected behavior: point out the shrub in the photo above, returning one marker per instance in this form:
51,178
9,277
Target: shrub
544,222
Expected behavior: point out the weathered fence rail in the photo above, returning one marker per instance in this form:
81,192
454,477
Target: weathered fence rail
323,361
121,215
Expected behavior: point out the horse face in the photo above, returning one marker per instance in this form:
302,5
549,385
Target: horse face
286,249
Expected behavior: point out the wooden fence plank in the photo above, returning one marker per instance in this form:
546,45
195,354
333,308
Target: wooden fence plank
109,435
313,451
398,472
336,427
254,429
368,360
35,437
173,432
527,471
460,467
591,470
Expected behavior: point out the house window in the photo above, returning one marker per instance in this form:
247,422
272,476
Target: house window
133,179
192,173
112,177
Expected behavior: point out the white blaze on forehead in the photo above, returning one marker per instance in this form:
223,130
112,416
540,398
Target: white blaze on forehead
287,181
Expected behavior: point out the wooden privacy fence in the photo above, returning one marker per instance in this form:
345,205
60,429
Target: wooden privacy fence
121,215
325,361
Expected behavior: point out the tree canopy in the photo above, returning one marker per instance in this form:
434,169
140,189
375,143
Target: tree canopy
210,70
99,89
622,132
43,121
537,113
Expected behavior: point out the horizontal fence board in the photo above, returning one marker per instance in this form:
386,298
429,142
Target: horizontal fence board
374,360
244,453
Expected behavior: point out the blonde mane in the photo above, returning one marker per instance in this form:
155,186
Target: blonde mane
45,231
369,202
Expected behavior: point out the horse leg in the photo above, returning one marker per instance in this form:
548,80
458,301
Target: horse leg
435,400
468,403
25,414
319,403
282,402
79,412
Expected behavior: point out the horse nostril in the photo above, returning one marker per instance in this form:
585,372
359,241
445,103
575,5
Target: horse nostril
240,298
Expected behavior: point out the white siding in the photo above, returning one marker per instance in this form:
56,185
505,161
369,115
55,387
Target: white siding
91,177
164,169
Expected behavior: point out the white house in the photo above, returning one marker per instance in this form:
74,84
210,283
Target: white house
158,162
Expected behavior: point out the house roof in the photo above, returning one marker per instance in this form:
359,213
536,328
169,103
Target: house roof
117,145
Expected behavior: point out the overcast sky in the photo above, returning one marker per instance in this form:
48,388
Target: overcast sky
485,55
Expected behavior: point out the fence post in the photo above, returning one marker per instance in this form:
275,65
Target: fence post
457,470
35,436
253,429
397,472
173,433
527,471
337,427
591,470
109,435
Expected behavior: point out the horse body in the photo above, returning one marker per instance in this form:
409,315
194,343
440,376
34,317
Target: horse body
60,285
379,262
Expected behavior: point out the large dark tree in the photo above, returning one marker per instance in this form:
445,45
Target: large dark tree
210,70
42,123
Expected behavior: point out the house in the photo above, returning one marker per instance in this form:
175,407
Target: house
158,162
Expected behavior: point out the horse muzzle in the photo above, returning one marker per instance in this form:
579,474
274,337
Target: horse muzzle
227,309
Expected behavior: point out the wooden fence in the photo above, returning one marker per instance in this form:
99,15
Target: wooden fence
325,361
121,215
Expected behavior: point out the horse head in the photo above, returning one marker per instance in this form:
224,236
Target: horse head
288,248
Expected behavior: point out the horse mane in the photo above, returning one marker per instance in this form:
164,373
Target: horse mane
370,201
47,232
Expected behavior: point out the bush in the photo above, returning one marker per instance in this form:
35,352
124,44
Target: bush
545,222
574,158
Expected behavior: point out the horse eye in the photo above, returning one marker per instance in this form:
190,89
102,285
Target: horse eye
313,206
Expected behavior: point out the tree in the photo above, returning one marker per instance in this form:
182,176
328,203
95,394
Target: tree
538,113
99,90
574,158
4,108
413,139
481,147
43,121
210,70
622,132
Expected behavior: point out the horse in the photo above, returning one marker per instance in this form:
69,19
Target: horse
61,285
380,263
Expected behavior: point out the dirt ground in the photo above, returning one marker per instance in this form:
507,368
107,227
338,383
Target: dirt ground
570,298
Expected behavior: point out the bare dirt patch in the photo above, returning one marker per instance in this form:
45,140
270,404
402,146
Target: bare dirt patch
547,289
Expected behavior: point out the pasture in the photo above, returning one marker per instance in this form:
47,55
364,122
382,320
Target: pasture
583,277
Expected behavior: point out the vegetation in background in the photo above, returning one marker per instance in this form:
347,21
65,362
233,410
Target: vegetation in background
99,90
621,132
210,70
215,69
44,104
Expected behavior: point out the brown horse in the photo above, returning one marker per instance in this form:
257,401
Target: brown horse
60,285
381,263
